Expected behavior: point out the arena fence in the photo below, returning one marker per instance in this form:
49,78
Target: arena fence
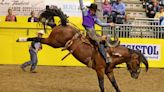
17,53
138,28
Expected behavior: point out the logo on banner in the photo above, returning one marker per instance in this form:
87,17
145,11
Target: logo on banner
150,51
69,7
21,7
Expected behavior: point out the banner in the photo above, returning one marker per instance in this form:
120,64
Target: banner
150,51
24,7
21,7
69,7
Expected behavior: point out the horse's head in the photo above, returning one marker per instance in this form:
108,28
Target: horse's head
134,64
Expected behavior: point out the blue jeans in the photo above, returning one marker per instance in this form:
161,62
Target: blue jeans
103,52
92,34
34,60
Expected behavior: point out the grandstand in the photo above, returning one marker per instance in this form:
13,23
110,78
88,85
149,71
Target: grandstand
137,24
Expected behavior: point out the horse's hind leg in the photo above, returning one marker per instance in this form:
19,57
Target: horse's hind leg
113,81
100,75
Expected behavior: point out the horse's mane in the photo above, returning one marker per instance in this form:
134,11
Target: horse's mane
55,11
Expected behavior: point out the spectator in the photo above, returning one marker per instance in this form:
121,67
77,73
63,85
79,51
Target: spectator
118,8
10,17
161,2
33,18
152,9
161,20
145,3
160,14
107,8
162,28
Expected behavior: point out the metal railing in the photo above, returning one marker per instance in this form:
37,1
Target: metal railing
24,28
138,28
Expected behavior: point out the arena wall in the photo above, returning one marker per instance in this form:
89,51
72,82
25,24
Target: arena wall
17,53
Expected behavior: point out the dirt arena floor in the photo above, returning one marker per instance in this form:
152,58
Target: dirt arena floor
75,79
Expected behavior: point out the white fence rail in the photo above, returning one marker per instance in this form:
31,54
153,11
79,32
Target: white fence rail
138,28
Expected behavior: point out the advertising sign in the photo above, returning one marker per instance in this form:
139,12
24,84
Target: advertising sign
150,51
24,7
21,7
70,7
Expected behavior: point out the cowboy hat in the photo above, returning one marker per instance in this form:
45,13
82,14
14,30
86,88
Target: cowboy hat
41,32
93,6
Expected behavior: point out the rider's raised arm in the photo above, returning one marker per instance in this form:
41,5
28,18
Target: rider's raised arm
83,8
100,23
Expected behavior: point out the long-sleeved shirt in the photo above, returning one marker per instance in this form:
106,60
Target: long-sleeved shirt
119,7
36,46
107,8
158,15
90,20
33,19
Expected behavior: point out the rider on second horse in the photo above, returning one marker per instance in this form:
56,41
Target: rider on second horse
89,20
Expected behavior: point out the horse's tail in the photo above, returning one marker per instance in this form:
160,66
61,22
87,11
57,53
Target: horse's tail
54,11
142,58
63,17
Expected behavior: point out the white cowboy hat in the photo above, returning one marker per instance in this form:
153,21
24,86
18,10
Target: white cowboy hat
41,32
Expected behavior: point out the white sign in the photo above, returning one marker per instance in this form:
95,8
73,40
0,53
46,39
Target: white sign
21,7
150,51
69,7
24,7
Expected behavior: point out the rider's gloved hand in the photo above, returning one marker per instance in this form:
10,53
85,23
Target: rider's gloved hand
112,24
103,38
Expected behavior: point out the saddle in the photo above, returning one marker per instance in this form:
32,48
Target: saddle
90,42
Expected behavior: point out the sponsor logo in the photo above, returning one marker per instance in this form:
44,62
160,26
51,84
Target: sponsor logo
150,51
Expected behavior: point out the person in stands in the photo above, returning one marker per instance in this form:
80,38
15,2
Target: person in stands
33,18
10,17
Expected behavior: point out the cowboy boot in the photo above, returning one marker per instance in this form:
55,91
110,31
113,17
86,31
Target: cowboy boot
23,68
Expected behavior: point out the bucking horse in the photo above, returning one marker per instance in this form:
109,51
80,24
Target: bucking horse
69,37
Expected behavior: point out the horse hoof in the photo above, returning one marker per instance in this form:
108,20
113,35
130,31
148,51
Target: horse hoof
17,40
21,40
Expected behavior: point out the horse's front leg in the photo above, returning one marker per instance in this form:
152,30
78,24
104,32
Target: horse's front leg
113,81
100,75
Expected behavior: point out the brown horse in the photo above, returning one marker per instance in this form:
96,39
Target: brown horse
69,37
